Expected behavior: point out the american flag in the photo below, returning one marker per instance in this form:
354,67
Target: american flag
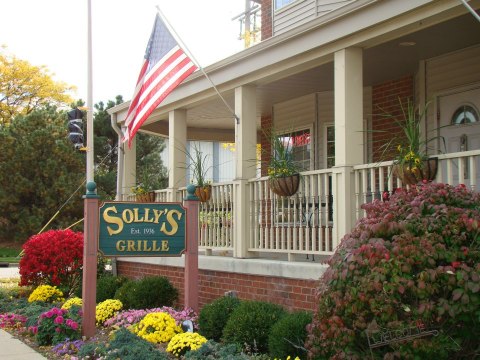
164,68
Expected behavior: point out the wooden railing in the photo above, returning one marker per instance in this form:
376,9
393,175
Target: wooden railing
373,180
300,224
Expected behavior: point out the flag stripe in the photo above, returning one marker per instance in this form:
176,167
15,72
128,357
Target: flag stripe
164,68
153,102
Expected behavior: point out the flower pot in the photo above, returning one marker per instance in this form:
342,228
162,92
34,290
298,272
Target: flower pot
203,193
426,172
148,197
285,185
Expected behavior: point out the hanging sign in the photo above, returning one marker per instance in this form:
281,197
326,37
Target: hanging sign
142,229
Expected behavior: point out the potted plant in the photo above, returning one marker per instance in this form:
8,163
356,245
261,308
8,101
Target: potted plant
199,168
283,173
412,162
144,189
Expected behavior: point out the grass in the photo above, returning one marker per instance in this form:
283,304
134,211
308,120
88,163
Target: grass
9,255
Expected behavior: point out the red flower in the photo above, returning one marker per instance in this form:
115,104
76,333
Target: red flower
456,264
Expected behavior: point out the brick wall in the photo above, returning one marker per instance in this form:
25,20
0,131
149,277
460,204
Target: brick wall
292,294
266,126
385,100
266,19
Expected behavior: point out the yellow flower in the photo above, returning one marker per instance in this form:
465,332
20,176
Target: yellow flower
106,310
181,343
46,293
157,327
72,301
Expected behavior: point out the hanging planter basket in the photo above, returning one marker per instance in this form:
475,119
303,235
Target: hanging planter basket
204,193
427,172
286,185
145,198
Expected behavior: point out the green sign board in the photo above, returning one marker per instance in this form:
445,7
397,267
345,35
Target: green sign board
142,229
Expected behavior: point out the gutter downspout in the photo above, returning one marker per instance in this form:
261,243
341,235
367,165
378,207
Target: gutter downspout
120,161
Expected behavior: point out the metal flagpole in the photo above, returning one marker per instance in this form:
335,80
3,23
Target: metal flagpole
190,55
90,100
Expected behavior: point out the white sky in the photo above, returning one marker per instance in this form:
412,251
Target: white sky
54,33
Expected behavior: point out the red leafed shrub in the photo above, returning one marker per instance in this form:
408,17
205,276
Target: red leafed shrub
54,257
411,266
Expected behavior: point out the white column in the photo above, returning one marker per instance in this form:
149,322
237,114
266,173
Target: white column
348,71
177,146
245,152
129,167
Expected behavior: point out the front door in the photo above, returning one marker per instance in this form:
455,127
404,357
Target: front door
460,128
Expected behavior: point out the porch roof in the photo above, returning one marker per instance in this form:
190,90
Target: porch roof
300,62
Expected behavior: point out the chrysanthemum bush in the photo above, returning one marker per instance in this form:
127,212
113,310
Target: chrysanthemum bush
57,325
183,342
412,261
46,293
53,258
157,327
106,310
72,301
11,320
127,318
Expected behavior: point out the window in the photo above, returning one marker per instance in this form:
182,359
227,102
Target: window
330,146
465,114
300,143
281,3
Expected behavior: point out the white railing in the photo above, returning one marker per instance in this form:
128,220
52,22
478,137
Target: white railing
372,181
300,224
216,225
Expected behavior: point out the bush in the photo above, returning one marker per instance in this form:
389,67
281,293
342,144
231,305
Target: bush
149,292
128,346
53,258
287,336
33,311
158,327
183,342
214,316
212,350
106,310
46,293
412,262
57,325
125,294
107,286
250,323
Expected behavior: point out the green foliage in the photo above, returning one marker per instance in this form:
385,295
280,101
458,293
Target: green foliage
125,294
250,323
288,335
149,292
93,350
212,350
128,346
414,261
25,87
214,316
107,286
38,172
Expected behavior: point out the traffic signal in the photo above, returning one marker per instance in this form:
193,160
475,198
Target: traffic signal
75,128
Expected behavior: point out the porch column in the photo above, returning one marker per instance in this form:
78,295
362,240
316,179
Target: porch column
245,152
177,146
348,71
129,167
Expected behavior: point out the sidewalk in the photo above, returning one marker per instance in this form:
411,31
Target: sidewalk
11,348
14,349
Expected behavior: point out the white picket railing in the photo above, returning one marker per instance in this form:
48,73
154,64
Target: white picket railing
373,180
300,224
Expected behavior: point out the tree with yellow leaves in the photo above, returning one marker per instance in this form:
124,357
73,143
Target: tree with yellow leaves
25,87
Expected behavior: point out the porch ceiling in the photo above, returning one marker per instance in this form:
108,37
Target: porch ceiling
384,61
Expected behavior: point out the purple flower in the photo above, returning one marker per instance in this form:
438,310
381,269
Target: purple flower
58,320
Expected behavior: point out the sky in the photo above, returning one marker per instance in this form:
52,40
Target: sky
54,33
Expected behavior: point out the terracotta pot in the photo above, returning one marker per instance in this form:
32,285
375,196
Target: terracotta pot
148,197
203,193
285,186
427,172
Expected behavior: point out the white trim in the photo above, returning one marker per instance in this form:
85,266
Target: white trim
262,267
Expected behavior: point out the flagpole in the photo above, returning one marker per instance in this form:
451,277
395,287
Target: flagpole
190,55
89,169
